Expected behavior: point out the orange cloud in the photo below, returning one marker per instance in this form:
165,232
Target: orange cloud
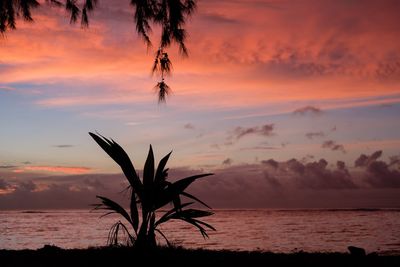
6,191
257,54
55,169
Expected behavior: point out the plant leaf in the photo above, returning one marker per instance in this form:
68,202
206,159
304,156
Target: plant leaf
134,212
114,233
182,184
175,189
117,153
84,19
194,198
90,4
148,181
177,202
191,213
205,224
162,234
73,9
163,91
196,224
148,171
109,204
160,176
168,214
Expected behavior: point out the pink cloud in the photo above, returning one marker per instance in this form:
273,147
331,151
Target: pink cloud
55,169
308,50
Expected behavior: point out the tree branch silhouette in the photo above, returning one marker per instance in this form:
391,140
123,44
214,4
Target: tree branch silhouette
170,15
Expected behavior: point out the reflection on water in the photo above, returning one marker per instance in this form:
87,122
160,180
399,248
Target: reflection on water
272,230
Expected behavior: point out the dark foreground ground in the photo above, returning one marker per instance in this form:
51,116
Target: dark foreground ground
53,256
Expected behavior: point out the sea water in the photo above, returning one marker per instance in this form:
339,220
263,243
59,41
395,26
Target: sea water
267,230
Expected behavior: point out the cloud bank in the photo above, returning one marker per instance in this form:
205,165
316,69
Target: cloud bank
293,183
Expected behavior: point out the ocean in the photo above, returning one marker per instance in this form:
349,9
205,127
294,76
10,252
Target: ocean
267,230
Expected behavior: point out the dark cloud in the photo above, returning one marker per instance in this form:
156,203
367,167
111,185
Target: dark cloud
227,161
218,19
26,162
312,135
335,55
94,183
4,184
27,186
296,61
272,181
307,158
271,162
387,70
54,197
215,146
70,191
289,184
8,166
288,62
265,130
63,146
332,145
394,160
188,126
364,160
385,105
313,175
308,110
378,173
260,148
269,183
232,186
257,3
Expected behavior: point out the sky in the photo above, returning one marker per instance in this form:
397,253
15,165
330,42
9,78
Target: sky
292,104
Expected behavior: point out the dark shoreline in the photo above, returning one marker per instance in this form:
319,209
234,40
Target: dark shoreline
107,256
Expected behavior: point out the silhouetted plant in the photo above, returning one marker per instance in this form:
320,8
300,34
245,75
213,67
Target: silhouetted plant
162,66
149,195
169,14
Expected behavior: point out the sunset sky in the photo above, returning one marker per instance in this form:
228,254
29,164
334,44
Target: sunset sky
292,104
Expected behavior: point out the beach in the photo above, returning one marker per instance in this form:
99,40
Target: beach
163,256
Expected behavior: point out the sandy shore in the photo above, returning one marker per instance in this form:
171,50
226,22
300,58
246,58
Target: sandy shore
53,256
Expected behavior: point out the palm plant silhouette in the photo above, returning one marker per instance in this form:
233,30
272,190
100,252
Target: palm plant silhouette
149,195
170,15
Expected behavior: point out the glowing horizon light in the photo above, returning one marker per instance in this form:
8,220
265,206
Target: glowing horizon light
56,169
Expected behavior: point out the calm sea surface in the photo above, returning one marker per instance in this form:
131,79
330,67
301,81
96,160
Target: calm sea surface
271,230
